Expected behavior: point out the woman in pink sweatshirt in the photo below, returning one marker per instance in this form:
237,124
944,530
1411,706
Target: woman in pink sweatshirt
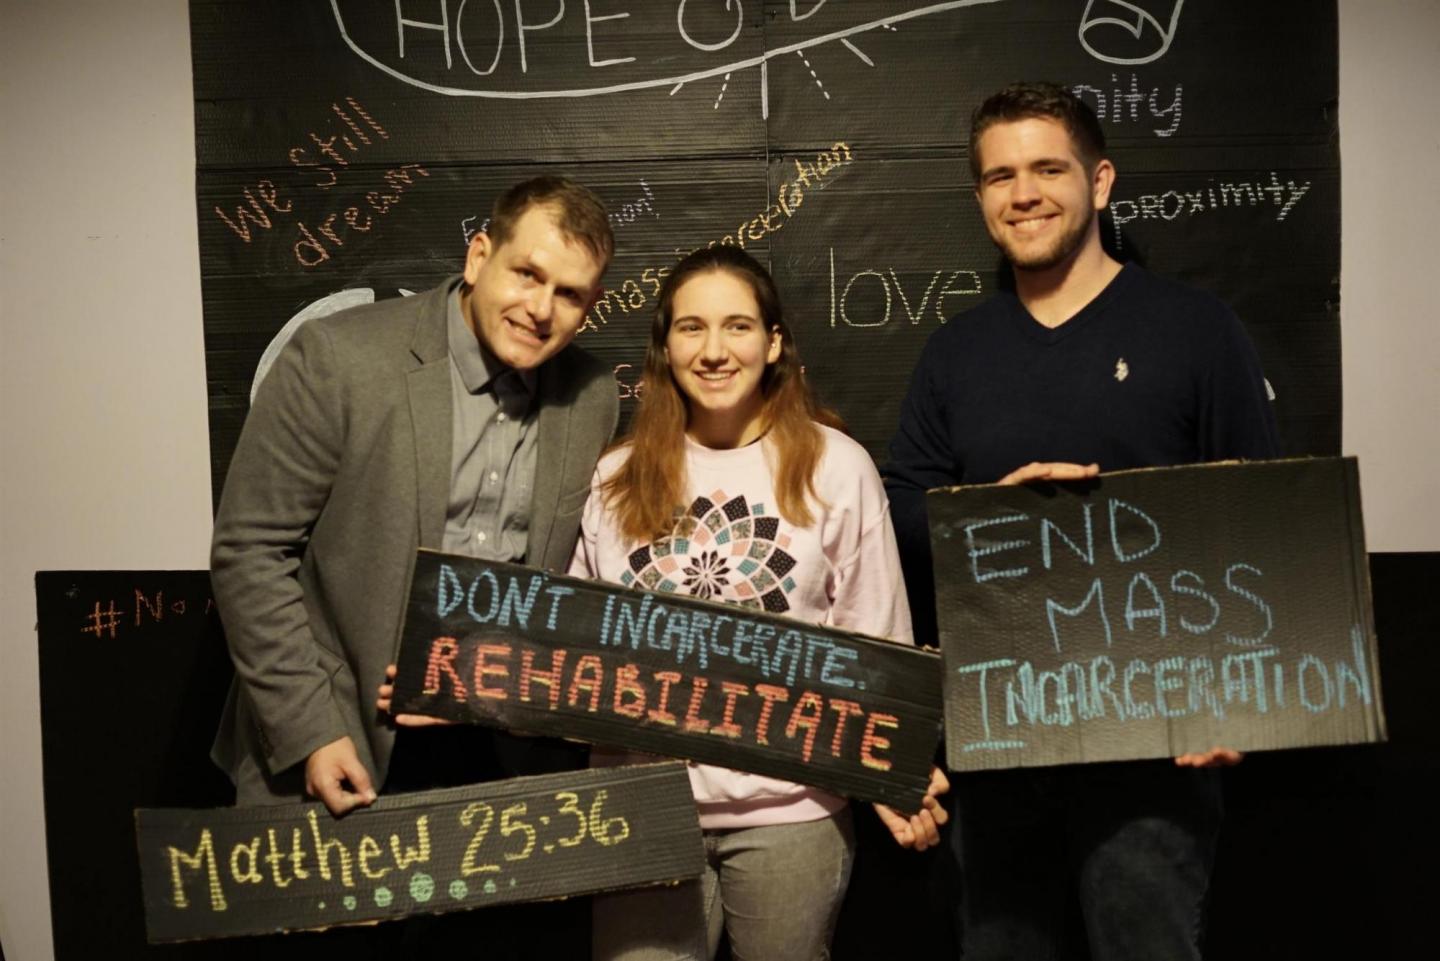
728,446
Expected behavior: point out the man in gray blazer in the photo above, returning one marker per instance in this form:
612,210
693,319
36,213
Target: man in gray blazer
459,419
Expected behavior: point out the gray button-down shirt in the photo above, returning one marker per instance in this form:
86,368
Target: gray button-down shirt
492,449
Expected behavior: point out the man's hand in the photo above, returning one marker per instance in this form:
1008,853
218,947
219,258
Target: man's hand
1052,471
922,830
1215,757
387,696
327,771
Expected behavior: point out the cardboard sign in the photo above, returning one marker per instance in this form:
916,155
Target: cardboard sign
103,635
508,646
259,870
1151,613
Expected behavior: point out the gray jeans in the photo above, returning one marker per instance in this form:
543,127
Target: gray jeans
776,892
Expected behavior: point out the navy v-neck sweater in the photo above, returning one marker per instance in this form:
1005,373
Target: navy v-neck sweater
1148,374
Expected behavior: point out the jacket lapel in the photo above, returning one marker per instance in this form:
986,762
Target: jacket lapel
430,414
550,448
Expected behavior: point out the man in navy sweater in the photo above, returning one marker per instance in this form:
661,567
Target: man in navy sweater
1088,364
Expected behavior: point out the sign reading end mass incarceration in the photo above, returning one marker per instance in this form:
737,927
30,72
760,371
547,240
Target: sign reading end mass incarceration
1152,613
509,646
261,870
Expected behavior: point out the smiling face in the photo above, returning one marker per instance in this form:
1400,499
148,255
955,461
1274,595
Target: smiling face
718,346
1038,200
525,299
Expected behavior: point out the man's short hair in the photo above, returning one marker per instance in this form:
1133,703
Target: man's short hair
579,214
1046,101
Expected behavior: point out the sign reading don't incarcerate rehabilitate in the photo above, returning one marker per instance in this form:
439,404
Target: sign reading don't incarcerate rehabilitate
512,647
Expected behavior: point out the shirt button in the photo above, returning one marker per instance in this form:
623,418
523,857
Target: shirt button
500,417
494,476
480,537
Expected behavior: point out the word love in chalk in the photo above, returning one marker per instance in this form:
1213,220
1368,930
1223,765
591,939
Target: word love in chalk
1154,613
255,870
507,646
860,303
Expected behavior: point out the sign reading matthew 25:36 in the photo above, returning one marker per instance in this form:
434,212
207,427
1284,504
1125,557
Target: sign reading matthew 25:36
1152,613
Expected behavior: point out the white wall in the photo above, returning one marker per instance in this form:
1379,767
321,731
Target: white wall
1390,327
103,444
104,449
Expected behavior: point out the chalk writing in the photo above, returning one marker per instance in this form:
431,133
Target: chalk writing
629,295
311,252
248,870
623,215
1175,204
1116,107
468,230
629,212
555,680
700,29
723,87
913,303
107,620
1134,535
1015,695
102,621
1139,598
630,389
253,212
1148,34
328,154
805,60
630,621
508,646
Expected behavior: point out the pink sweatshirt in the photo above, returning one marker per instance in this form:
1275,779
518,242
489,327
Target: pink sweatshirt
843,571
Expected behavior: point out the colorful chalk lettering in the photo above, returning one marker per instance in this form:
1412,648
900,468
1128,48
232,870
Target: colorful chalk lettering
1187,627
234,871
509,646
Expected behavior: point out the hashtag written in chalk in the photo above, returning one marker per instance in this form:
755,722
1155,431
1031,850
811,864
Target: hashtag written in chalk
102,621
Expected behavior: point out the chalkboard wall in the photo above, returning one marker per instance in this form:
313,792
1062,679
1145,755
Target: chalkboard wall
355,145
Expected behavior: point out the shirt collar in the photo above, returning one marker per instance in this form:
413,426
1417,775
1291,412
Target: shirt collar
478,367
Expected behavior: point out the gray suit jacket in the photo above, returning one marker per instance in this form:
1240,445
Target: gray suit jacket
341,471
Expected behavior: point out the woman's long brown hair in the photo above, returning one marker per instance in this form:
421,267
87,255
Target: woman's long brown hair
649,487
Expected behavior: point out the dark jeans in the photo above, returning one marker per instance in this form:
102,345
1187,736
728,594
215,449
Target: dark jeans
1133,841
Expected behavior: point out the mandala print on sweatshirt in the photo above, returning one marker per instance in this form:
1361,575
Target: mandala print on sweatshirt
722,549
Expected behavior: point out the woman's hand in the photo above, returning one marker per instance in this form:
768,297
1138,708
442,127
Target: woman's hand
1215,757
920,830
387,695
